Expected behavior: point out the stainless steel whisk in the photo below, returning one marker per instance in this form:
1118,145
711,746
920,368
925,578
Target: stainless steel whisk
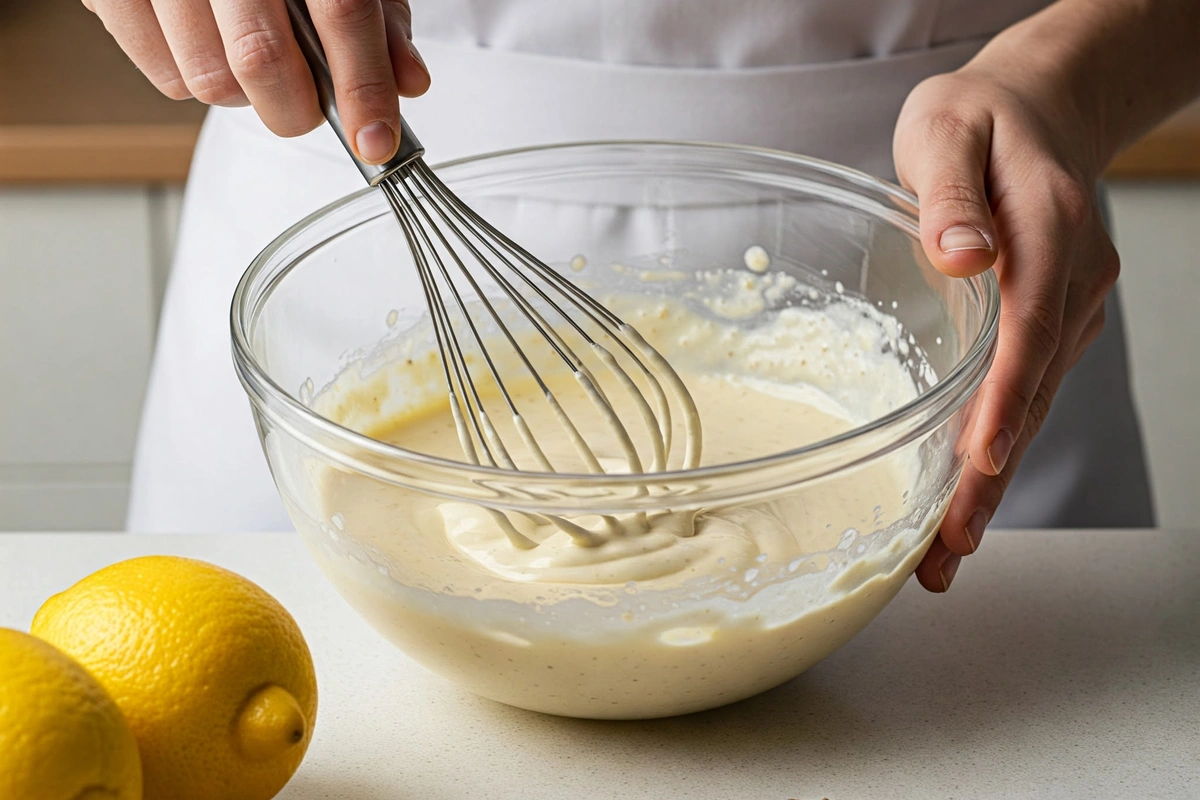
453,248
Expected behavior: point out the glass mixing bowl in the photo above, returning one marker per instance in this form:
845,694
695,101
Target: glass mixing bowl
331,293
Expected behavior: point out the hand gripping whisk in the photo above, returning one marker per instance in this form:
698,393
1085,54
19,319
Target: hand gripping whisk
457,253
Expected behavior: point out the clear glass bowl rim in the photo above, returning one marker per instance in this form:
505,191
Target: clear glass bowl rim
348,447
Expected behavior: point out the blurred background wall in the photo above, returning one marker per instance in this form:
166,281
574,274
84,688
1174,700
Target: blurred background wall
92,165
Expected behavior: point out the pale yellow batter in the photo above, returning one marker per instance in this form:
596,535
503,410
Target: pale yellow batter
676,611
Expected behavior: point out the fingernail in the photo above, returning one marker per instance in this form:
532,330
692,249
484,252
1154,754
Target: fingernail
375,141
998,450
947,570
963,237
416,54
974,528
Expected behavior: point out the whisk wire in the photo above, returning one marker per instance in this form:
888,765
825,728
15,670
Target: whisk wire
444,334
491,440
419,200
587,381
584,451
604,319
613,527
659,426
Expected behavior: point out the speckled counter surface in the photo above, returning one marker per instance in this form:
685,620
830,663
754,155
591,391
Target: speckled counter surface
1061,664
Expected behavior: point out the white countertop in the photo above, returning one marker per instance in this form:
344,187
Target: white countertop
1062,664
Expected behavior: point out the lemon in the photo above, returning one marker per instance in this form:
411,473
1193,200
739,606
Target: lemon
61,735
211,672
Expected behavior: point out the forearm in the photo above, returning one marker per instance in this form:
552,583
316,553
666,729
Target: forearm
1119,67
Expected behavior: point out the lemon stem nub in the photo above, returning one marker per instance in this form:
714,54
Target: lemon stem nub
269,724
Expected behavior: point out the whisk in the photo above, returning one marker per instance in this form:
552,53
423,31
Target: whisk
456,253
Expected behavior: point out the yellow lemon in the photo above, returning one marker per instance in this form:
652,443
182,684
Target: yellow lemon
211,672
61,735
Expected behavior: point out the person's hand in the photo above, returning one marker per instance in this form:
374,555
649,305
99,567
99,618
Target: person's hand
1004,180
239,52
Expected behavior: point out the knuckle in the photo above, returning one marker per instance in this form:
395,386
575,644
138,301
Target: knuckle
1075,203
1108,267
1041,326
1099,276
175,88
349,12
925,101
89,5
1035,329
950,126
399,7
211,82
1039,409
959,198
371,94
259,54
1018,396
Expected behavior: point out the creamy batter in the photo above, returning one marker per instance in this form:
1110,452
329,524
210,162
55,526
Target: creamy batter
674,611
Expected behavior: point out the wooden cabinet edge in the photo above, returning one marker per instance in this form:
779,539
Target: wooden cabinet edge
1169,152
97,153
162,153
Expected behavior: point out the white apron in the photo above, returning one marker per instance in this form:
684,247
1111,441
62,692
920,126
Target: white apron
821,77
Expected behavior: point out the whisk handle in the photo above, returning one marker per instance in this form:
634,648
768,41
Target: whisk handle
310,45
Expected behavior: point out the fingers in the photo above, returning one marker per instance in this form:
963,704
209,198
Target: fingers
943,158
412,76
938,568
1056,268
263,58
1029,337
355,41
134,26
235,52
195,42
982,486
975,501
979,492
1034,274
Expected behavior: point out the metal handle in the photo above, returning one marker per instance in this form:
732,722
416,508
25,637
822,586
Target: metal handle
314,53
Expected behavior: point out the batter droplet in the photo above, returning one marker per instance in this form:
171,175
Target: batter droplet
757,259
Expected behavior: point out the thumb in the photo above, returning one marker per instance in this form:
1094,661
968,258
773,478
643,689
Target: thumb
945,163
